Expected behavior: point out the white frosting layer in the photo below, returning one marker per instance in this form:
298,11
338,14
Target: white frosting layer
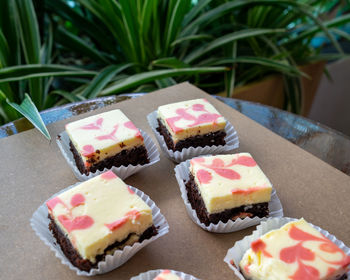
99,212
103,135
190,118
229,181
296,251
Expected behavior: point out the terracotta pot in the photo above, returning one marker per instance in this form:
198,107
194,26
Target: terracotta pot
270,91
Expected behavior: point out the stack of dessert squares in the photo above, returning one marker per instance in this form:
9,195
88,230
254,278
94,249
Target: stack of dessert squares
96,221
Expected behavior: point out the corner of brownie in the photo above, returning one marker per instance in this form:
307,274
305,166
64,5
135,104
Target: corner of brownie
235,181
98,217
191,123
106,140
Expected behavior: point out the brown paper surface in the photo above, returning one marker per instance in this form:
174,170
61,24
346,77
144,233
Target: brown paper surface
32,169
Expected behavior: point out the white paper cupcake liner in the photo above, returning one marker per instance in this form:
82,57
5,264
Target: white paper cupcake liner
150,275
231,139
182,176
235,254
40,224
123,171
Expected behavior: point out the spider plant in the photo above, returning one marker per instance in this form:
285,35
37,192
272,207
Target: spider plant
87,48
250,39
255,57
26,64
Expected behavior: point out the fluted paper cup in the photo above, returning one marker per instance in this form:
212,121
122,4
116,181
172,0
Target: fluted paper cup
182,173
40,224
231,140
122,172
150,275
235,254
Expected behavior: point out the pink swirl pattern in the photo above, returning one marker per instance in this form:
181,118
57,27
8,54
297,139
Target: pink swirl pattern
183,114
131,215
300,254
218,166
69,222
94,125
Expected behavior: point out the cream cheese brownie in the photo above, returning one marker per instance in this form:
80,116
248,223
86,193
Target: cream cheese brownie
106,140
225,187
96,218
192,123
167,275
296,251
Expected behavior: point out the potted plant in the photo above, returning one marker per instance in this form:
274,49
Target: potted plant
251,39
75,50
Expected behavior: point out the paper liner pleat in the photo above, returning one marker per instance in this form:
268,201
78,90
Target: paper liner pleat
123,171
150,275
231,140
182,176
235,254
40,224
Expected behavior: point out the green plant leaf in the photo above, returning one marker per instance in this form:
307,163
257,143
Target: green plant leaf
195,11
227,7
146,16
21,72
231,75
338,21
73,42
245,33
276,65
341,33
176,15
4,50
30,39
323,27
169,62
7,112
68,96
190,38
166,82
129,16
151,76
85,24
145,88
31,113
102,79
29,30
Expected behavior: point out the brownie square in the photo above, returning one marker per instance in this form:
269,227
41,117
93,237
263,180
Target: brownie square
227,187
296,250
192,123
97,217
106,140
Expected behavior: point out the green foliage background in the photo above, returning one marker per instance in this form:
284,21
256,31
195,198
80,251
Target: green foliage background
70,50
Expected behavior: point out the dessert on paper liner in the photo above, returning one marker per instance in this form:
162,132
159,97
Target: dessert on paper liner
40,224
182,176
231,140
152,274
122,171
235,254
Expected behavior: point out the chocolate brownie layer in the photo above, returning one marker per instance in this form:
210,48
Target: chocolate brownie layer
259,209
135,156
210,139
74,256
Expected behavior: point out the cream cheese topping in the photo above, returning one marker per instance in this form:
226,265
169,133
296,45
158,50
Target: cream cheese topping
99,212
103,135
189,118
296,251
167,275
229,181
